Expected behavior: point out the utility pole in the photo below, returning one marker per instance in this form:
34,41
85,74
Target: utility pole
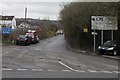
25,16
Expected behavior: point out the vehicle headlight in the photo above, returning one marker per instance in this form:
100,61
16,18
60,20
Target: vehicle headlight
99,47
111,48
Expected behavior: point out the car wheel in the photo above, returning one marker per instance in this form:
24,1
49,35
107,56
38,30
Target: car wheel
37,41
115,53
27,43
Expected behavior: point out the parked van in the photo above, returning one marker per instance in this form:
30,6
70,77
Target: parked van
33,35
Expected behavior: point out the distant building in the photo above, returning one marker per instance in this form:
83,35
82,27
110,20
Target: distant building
8,21
28,24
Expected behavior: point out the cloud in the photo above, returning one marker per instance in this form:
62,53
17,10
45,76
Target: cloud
34,9
35,0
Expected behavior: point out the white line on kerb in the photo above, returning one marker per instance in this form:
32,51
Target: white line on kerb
66,70
22,69
50,70
6,69
92,71
66,66
106,71
80,71
115,72
37,69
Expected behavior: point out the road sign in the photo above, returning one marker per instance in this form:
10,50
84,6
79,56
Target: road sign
94,33
104,23
85,30
6,30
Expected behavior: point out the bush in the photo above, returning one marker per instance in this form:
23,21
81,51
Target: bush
77,16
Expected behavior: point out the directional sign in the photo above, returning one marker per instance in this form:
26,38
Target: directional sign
6,30
104,23
85,30
94,33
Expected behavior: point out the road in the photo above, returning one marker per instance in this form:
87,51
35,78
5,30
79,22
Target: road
52,58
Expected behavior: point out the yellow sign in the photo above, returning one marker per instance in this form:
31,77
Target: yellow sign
85,30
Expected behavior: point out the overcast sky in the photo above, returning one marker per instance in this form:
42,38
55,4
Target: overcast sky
42,9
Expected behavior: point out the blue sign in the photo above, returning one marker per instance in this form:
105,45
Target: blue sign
6,30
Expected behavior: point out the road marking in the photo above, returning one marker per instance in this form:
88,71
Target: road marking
93,71
116,72
66,66
37,69
106,71
66,70
22,69
80,71
6,69
50,70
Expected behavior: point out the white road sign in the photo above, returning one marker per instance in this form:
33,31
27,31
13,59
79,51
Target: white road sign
104,23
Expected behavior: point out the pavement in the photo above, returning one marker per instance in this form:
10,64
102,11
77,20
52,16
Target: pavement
92,53
51,58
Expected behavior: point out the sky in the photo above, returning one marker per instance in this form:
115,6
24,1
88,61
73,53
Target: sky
37,9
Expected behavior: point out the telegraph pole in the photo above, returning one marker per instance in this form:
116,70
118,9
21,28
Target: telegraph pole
25,16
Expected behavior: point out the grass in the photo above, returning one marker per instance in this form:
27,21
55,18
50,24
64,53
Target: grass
7,42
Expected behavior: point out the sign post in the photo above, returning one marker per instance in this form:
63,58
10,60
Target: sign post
102,36
104,23
94,33
94,41
112,35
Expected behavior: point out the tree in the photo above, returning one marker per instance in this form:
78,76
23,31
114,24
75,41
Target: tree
77,16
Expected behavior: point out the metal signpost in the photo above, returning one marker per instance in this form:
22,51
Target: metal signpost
104,23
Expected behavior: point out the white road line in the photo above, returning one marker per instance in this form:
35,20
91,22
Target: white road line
116,72
37,69
66,66
22,69
66,70
50,70
93,71
80,71
6,69
106,71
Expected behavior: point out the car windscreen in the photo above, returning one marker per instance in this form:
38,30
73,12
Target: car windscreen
29,35
22,36
110,43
